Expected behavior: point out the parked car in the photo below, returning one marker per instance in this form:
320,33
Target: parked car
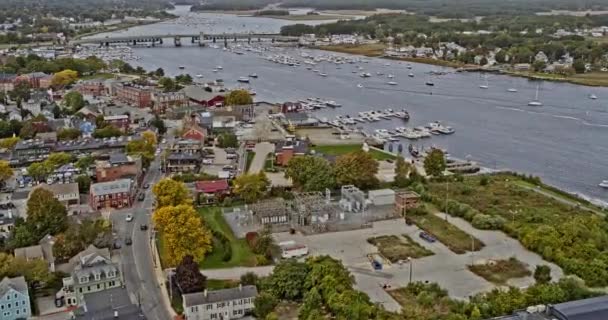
116,244
141,197
427,236
129,218
128,241
143,227
146,186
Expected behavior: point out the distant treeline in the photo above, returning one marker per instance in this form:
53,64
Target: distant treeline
272,13
439,8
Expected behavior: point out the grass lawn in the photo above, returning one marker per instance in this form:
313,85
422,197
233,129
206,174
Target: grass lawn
394,249
500,271
241,253
250,156
417,305
216,284
337,150
98,76
451,236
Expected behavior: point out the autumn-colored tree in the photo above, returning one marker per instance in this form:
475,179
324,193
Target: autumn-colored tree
64,78
169,192
251,187
310,173
58,159
239,97
188,276
402,173
183,233
5,170
45,214
9,143
358,168
143,149
149,137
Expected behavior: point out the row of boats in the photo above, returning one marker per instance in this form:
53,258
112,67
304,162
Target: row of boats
433,128
366,117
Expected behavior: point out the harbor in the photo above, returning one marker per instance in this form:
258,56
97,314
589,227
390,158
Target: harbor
494,126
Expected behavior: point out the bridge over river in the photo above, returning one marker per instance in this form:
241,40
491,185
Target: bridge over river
200,38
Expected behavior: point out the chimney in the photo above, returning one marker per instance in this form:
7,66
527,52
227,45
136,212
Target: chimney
205,293
240,287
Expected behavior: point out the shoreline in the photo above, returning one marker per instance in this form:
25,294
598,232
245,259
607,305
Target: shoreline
377,51
121,28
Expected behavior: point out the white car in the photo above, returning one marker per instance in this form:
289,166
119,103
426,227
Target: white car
129,218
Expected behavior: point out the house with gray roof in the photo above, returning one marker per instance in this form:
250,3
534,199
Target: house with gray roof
14,299
111,194
42,251
92,270
232,303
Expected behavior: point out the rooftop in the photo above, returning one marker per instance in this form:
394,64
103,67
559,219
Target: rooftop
586,309
61,188
212,186
199,298
200,93
17,284
108,304
111,187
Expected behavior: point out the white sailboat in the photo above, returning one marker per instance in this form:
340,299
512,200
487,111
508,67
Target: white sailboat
592,96
485,85
536,102
512,90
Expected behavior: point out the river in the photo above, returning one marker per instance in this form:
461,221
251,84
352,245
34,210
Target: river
565,141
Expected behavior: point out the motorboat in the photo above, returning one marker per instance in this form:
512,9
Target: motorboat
409,66
390,76
243,79
359,85
322,74
392,83
253,75
199,75
411,75
485,85
446,130
181,67
332,104
365,75
429,83
215,70
512,90
219,68
592,96
604,184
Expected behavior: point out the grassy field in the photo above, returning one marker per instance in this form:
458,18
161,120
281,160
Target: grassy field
241,253
434,304
369,50
216,284
500,271
394,249
249,159
451,236
337,150
302,17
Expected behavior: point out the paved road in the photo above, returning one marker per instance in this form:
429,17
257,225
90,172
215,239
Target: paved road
139,266
261,150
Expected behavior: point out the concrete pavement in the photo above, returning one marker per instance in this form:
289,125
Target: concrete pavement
262,150
236,273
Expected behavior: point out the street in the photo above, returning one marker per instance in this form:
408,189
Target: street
138,264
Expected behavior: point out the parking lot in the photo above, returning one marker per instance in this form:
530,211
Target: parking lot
446,268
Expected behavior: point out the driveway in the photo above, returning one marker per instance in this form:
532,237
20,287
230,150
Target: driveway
262,150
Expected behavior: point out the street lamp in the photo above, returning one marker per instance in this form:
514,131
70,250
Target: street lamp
409,259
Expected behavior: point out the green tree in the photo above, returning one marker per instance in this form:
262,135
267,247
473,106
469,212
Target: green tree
264,303
45,214
251,187
402,173
184,79
539,65
84,183
475,314
358,168
107,132
58,159
84,163
501,56
21,91
5,170
228,140
542,274
68,134
310,173
288,280
579,65
312,302
74,101
38,171
159,72
434,163
159,124
141,148
239,97
168,84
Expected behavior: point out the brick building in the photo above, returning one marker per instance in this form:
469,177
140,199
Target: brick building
111,194
163,101
138,96
405,200
121,121
119,166
287,149
91,87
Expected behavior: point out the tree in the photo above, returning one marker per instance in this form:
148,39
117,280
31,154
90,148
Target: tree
312,301
169,192
249,279
68,134
227,140
542,274
84,183
142,148
183,233
288,280
238,97
38,171
5,170
74,101
168,84
358,168
159,124
189,277
183,79
64,78
34,271
402,173
434,163
501,56
475,314
539,65
579,65
310,173
84,163
264,303
58,159
107,132
251,187
9,143
21,91
45,214
159,72
149,137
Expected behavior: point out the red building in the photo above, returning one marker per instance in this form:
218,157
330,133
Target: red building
285,150
36,80
193,130
91,87
120,121
119,166
134,95
211,191
112,194
204,96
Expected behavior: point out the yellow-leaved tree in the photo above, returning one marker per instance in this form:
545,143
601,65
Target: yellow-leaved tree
183,232
5,170
64,78
169,192
149,137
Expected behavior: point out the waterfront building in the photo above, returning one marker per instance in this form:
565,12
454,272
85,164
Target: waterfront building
232,303
163,101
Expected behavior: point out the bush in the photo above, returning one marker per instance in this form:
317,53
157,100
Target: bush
252,239
486,222
420,211
261,260
227,252
484,181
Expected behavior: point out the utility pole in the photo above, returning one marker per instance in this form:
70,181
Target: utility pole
472,250
411,270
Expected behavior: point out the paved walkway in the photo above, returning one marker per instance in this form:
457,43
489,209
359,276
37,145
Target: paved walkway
236,273
261,150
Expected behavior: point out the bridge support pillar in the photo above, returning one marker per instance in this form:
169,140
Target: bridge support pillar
177,41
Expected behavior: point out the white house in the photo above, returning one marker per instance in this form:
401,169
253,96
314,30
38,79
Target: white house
541,56
222,304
